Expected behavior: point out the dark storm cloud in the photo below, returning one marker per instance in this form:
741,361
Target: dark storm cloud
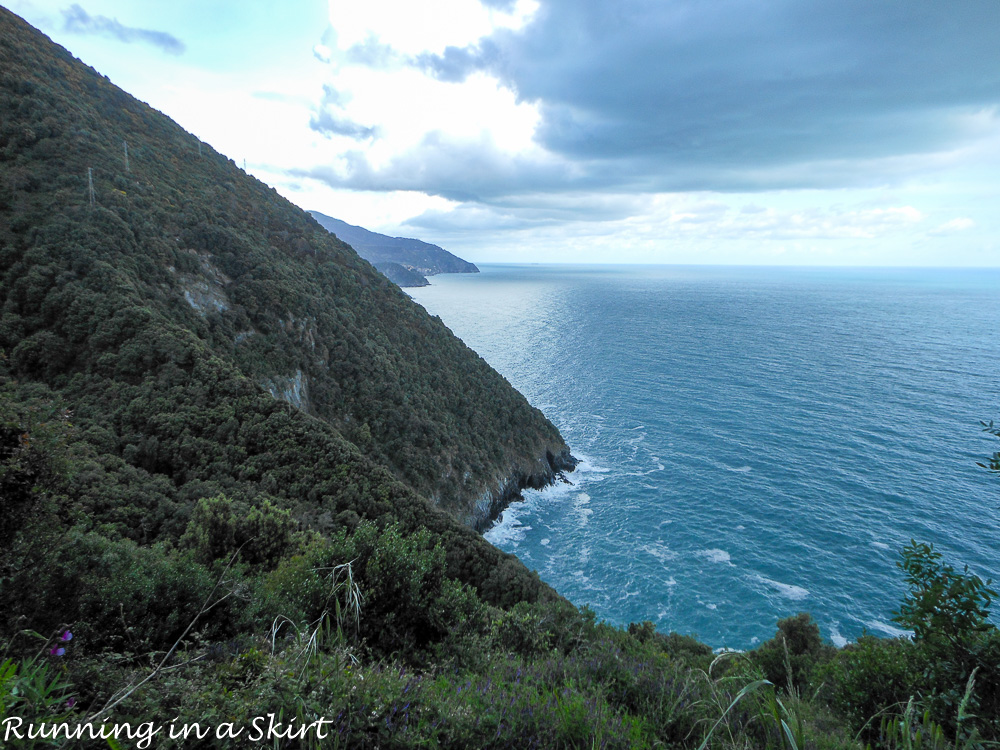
328,124
526,212
727,94
78,21
461,171
457,63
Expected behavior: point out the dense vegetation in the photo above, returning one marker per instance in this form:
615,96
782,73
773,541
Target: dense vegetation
178,546
183,259
401,275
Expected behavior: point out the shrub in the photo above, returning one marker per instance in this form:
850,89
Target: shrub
790,657
948,612
870,678
219,527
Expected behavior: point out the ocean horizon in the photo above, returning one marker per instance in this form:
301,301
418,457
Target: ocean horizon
755,441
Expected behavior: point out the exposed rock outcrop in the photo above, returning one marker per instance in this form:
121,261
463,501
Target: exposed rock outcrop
508,489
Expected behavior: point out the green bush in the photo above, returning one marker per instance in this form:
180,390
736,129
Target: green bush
219,528
869,679
948,612
788,659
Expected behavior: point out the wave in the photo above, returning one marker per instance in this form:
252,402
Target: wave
660,551
511,526
836,638
714,555
786,590
890,630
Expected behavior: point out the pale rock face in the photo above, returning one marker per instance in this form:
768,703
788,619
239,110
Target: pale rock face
205,298
293,389
205,293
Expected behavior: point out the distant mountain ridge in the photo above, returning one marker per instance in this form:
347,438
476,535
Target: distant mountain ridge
404,260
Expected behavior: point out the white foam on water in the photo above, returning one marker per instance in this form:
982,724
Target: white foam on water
740,527
836,638
670,581
545,542
647,472
721,465
881,545
786,590
586,466
626,595
714,555
890,630
660,551
507,531
510,530
711,606
580,504
726,650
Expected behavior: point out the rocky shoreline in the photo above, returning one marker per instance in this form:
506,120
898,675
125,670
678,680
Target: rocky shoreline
494,501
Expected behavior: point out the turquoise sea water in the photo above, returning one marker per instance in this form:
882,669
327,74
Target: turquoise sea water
755,441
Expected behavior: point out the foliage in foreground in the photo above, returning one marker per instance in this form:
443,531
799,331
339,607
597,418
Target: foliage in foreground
247,619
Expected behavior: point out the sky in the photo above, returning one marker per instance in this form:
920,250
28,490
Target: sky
793,132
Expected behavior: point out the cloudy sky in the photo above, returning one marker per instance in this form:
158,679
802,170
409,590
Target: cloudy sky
830,132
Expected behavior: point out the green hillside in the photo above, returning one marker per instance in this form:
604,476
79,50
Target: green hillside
240,473
182,252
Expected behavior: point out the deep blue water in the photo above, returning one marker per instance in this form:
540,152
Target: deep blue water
756,441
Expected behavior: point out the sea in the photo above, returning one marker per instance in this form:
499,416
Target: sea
755,442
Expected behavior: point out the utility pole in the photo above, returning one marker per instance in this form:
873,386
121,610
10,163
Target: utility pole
199,148
90,184
125,143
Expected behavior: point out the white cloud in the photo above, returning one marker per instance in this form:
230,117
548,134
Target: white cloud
427,26
559,130
960,224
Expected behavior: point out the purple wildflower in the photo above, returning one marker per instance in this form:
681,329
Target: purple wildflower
70,703
67,636
57,652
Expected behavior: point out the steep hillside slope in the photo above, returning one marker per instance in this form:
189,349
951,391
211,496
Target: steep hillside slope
140,274
401,275
381,250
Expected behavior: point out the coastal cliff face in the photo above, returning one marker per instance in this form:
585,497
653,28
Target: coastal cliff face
180,273
506,489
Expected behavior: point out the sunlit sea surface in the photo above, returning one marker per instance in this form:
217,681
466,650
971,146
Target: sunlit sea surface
756,442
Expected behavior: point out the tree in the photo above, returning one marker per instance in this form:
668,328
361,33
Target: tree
994,461
942,603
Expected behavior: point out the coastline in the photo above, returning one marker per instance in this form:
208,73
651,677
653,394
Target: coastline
494,501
